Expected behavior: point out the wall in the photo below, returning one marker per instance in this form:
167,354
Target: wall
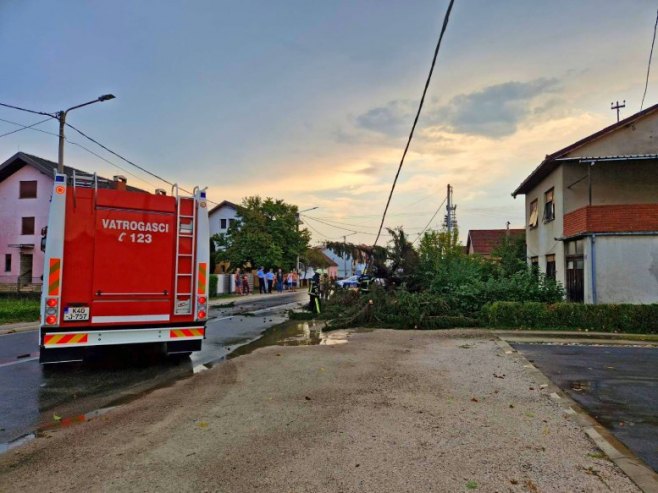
222,213
541,240
12,209
626,269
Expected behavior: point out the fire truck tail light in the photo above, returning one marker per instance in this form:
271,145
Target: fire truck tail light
51,302
202,300
51,311
51,319
202,314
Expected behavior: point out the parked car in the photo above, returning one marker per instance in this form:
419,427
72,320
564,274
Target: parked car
349,282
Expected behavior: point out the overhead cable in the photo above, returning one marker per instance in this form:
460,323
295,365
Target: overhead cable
646,83
420,107
430,221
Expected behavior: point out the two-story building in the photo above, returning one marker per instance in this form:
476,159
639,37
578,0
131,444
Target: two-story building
592,213
222,216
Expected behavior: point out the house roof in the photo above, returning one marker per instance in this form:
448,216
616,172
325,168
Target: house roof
48,168
330,261
223,203
552,161
484,241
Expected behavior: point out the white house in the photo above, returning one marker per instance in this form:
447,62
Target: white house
222,216
592,213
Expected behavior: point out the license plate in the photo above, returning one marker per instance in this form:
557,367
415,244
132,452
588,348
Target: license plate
76,313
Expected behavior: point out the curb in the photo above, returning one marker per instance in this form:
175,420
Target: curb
19,327
634,467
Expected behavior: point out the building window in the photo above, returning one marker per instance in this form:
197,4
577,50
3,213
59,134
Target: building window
550,266
534,264
27,190
532,221
7,262
27,226
549,206
222,224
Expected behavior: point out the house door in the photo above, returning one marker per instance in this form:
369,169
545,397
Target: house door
575,279
25,272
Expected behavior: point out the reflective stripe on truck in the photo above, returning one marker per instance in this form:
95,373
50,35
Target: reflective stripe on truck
118,336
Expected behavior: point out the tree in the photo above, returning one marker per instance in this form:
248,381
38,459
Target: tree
265,233
403,259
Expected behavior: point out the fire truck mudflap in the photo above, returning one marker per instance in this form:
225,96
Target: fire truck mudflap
123,268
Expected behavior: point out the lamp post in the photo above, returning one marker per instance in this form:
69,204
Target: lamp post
61,116
298,223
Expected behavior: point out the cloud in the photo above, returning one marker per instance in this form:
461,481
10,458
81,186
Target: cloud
494,112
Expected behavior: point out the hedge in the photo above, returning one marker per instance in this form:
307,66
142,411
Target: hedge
18,310
640,319
212,285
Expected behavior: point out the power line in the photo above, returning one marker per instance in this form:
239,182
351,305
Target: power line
51,115
653,41
25,127
338,227
321,234
430,221
420,107
31,127
338,222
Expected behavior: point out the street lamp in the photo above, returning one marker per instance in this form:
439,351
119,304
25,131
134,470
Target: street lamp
298,223
61,116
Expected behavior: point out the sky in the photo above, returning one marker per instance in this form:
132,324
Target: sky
312,102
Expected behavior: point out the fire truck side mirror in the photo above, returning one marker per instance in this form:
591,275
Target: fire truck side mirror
44,234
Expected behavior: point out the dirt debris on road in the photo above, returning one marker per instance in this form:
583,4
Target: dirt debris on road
390,411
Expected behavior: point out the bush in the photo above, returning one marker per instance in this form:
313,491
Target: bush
212,283
642,319
18,310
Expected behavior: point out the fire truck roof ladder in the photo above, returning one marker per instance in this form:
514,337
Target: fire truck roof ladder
185,247
84,180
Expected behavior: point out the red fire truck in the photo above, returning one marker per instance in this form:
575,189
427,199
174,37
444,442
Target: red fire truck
123,267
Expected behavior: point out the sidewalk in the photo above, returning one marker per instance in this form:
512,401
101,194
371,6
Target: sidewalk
387,411
240,299
18,327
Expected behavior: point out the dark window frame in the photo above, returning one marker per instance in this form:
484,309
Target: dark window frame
7,262
551,267
222,223
549,205
26,229
25,191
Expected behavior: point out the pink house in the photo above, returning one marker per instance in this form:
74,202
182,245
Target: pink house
26,184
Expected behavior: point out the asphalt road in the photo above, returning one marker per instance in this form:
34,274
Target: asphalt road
618,386
33,396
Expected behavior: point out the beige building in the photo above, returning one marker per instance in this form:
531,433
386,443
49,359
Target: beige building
592,213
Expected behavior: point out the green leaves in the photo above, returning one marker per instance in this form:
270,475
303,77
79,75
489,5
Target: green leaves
266,233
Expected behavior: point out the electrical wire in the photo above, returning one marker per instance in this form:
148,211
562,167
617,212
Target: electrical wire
51,115
321,234
24,127
338,222
653,41
77,144
337,227
430,221
420,107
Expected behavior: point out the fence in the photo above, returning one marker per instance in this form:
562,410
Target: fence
20,284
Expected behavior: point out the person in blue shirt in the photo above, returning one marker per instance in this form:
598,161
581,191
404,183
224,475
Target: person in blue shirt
270,280
261,280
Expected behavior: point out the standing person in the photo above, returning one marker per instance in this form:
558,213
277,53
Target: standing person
325,286
289,280
238,281
279,281
295,280
269,277
261,280
245,284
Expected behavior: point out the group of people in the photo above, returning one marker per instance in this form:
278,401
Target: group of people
267,281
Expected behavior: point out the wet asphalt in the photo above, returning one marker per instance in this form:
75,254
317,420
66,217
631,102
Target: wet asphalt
35,397
618,386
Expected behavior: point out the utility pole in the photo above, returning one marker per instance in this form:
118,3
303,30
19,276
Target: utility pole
617,107
450,220
345,253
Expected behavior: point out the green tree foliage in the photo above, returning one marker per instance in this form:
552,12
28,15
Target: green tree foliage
402,259
375,257
266,233
313,257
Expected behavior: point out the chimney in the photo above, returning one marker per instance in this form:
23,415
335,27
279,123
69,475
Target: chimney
120,182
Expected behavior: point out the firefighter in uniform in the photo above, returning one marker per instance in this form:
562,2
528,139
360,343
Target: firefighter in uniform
364,284
314,293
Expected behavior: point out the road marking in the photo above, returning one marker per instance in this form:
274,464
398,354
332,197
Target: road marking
18,362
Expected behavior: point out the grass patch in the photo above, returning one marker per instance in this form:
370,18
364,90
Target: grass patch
18,310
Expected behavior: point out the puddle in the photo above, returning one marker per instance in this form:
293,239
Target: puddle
293,333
